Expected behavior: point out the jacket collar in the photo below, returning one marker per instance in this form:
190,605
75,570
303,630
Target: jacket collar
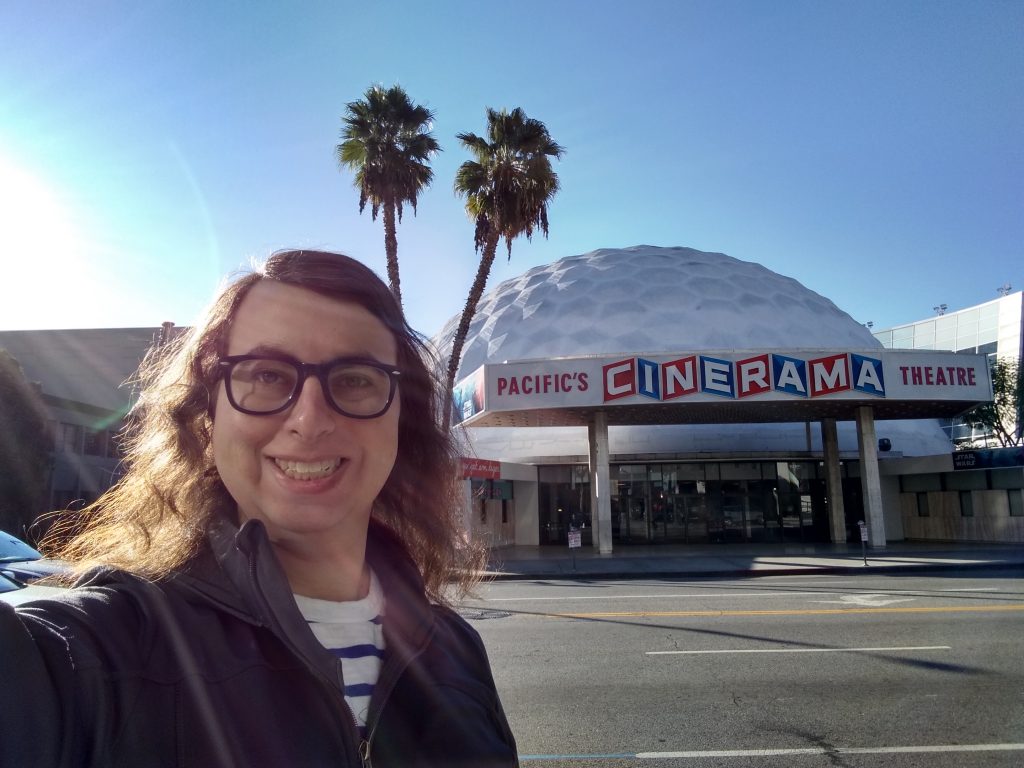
256,589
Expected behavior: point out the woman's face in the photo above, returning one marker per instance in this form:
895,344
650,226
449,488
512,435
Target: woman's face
309,473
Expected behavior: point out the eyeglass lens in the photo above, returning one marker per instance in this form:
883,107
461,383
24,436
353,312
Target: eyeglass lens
266,385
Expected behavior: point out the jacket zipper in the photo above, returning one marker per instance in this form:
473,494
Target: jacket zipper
386,684
363,746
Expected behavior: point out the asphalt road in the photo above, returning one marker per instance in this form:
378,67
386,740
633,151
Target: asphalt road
775,671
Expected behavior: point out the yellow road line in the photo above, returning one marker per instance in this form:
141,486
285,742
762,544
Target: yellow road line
801,612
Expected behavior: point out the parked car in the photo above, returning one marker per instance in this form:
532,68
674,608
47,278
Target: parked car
15,592
6,585
22,564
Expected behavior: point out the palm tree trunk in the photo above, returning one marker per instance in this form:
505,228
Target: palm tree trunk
475,292
391,249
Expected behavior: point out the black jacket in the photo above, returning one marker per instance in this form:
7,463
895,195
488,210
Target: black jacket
217,667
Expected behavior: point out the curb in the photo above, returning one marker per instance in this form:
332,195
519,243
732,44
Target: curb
750,573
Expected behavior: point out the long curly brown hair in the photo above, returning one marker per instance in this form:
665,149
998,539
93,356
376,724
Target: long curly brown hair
154,520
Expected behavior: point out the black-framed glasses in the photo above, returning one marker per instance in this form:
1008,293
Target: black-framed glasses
355,387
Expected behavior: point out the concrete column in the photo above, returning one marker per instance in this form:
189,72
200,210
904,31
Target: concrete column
833,481
595,539
870,482
600,483
467,507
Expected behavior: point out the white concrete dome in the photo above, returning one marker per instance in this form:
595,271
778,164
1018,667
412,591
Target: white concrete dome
648,299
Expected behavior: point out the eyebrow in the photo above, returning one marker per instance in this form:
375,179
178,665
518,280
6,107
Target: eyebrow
270,351
273,351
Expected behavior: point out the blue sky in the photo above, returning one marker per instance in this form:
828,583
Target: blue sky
871,150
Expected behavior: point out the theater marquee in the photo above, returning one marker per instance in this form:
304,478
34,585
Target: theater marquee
744,379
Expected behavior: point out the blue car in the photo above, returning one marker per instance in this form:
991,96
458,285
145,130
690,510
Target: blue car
22,564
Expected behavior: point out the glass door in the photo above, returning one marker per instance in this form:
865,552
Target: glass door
695,528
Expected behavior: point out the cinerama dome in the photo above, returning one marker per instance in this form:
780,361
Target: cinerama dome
649,300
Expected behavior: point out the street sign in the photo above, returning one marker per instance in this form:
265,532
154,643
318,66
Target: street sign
575,539
863,540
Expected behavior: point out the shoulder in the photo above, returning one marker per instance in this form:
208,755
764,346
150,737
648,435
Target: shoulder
457,653
456,630
106,614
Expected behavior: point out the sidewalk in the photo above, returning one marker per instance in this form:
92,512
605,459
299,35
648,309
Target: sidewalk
670,561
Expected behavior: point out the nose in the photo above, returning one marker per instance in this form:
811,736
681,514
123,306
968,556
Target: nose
310,416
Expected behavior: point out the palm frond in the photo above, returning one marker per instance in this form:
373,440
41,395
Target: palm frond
386,141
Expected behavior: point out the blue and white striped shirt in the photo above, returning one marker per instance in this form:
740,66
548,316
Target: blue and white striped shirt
353,631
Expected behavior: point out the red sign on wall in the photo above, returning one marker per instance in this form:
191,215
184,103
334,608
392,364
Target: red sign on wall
481,468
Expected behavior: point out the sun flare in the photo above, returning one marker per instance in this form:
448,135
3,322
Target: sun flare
40,250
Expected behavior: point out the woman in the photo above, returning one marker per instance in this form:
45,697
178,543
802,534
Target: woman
265,586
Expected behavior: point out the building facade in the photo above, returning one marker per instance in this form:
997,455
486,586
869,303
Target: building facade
707,474
689,479
976,496
994,329
84,376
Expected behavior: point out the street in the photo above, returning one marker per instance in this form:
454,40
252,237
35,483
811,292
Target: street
838,670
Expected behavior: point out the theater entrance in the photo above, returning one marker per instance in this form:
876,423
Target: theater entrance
693,503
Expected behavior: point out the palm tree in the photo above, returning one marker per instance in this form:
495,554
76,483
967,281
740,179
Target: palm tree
507,187
386,140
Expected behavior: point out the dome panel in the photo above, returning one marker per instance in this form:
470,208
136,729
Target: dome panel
670,299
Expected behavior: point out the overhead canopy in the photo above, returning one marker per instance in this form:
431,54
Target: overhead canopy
719,387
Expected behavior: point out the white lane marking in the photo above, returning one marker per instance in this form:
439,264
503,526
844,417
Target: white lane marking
805,579
858,598
802,650
872,600
834,751
649,597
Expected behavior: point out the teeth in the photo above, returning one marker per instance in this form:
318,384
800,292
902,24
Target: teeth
308,470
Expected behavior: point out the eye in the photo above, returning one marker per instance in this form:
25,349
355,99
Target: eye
264,373
266,376
352,382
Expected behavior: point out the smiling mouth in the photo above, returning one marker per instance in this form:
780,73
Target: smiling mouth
308,470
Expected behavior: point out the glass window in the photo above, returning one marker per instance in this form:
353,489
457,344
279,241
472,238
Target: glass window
636,473
975,480
559,474
501,489
741,470
794,476
1016,500
1012,477
113,445
922,505
917,483
689,472
69,437
95,442
966,504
